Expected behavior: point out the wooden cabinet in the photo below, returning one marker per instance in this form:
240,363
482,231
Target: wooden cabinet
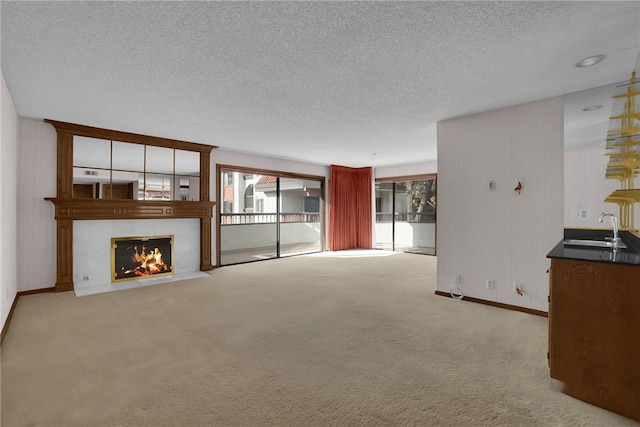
594,333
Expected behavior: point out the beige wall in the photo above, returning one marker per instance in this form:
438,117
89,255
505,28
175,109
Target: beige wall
499,235
36,226
8,195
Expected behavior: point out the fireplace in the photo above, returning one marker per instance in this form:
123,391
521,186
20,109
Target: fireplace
84,271
141,257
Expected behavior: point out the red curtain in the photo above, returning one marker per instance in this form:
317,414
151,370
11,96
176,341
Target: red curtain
349,208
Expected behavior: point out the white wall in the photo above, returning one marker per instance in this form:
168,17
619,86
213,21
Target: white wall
499,235
36,225
237,158
8,211
586,189
406,170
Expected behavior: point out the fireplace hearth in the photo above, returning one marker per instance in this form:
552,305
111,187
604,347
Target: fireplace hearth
141,257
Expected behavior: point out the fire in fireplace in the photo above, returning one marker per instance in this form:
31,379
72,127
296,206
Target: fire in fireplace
139,257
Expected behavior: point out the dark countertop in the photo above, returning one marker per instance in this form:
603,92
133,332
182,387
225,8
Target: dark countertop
628,256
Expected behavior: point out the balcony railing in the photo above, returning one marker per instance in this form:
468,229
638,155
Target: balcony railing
424,217
267,218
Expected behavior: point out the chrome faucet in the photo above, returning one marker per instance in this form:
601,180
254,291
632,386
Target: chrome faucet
616,241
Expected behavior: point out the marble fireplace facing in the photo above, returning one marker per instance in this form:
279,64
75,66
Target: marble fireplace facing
159,251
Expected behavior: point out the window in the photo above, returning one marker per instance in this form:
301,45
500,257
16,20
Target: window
248,199
312,204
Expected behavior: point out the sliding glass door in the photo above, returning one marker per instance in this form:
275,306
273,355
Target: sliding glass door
406,215
268,216
300,216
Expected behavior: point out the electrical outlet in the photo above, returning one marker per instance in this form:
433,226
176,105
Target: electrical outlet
491,284
581,214
458,279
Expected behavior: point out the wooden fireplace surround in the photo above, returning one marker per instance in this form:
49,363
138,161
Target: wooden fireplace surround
68,209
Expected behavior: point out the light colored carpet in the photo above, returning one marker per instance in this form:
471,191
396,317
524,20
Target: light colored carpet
312,340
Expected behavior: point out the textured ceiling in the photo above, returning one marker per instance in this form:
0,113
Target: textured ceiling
325,82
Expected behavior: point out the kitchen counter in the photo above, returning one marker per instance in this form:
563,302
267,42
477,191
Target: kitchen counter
627,256
594,295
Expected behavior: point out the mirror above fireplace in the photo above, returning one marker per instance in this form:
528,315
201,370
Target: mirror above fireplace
109,169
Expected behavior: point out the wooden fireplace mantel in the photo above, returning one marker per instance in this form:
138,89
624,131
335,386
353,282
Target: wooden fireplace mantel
92,209
69,209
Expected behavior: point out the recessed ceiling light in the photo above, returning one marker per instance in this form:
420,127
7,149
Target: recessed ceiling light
592,108
592,60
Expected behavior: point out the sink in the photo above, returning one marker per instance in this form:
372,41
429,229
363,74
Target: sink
593,243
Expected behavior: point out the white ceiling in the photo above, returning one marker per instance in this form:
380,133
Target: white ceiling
324,82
